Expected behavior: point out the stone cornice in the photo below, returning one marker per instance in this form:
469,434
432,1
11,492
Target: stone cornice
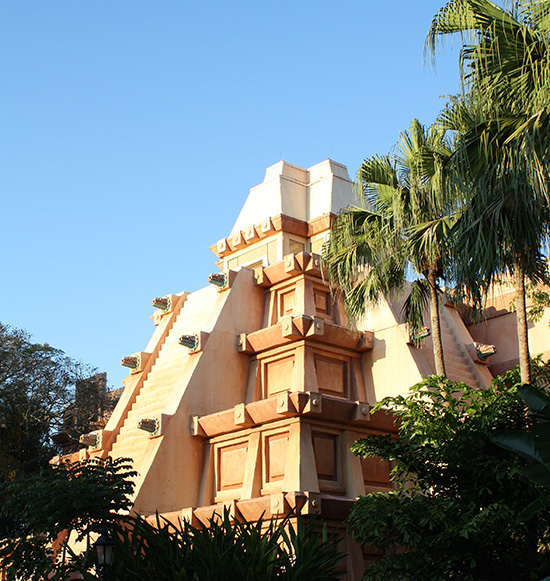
302,327
270,226
286,405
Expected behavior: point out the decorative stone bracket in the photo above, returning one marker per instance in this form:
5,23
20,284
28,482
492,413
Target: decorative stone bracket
424,333
150,425
222,280
485,351
164,305
95,440
155,426
218,279
195,342
309,503
480,353
90,440
135,362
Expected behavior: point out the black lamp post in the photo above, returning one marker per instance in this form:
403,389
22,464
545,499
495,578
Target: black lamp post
104,548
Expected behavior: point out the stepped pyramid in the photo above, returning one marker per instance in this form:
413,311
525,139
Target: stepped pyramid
251,390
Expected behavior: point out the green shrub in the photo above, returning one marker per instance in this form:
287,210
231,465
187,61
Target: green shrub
457,510
227,549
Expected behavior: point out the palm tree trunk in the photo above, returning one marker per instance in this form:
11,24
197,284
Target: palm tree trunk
523,337
436,326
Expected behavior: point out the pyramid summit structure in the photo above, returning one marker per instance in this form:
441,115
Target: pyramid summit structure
251,390
298,193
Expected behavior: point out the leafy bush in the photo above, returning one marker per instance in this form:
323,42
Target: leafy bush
455,513
35,513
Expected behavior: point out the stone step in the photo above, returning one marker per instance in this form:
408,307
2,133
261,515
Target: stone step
148,404
458,360
457,375
163,373
461,371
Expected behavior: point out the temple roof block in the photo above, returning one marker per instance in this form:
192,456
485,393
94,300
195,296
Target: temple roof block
303,194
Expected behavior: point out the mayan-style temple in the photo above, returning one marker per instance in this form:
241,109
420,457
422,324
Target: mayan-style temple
252,389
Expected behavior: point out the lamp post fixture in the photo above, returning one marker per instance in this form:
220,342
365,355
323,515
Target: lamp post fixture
104,548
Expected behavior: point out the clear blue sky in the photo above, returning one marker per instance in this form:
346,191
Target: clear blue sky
131,132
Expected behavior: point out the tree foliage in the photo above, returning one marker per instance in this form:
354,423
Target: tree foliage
39,513
456,510
37,383
533,444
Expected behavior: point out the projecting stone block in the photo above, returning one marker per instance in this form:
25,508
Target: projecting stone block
135,362
261,278
279,504
361,412
266,227
289,329
223,247
242,417
312,503
237,241
314,265
366,342
243,344
250,234
285,405
314,405
292,266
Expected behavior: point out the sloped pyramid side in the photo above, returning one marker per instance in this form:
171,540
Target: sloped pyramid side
397,365
181,383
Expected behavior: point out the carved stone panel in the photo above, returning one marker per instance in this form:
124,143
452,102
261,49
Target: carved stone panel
276,446
277,375
231,464
332,375
326,455
322,303
286,303
376,472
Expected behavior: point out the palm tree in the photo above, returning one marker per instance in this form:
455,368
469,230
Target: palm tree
501,159
503,223
407,222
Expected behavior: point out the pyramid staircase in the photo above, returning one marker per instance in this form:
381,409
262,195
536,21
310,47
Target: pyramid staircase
158,386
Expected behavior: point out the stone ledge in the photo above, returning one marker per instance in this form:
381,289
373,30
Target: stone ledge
284,405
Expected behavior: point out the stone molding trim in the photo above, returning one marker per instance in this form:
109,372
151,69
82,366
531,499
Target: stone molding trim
279,223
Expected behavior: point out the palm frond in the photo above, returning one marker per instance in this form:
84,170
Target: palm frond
505,54
431,240
414,306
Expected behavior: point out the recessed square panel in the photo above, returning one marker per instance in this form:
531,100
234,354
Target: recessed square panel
322,302
231,463
376,472
287,300
331,376
326,455
278,375
295,247
276,447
